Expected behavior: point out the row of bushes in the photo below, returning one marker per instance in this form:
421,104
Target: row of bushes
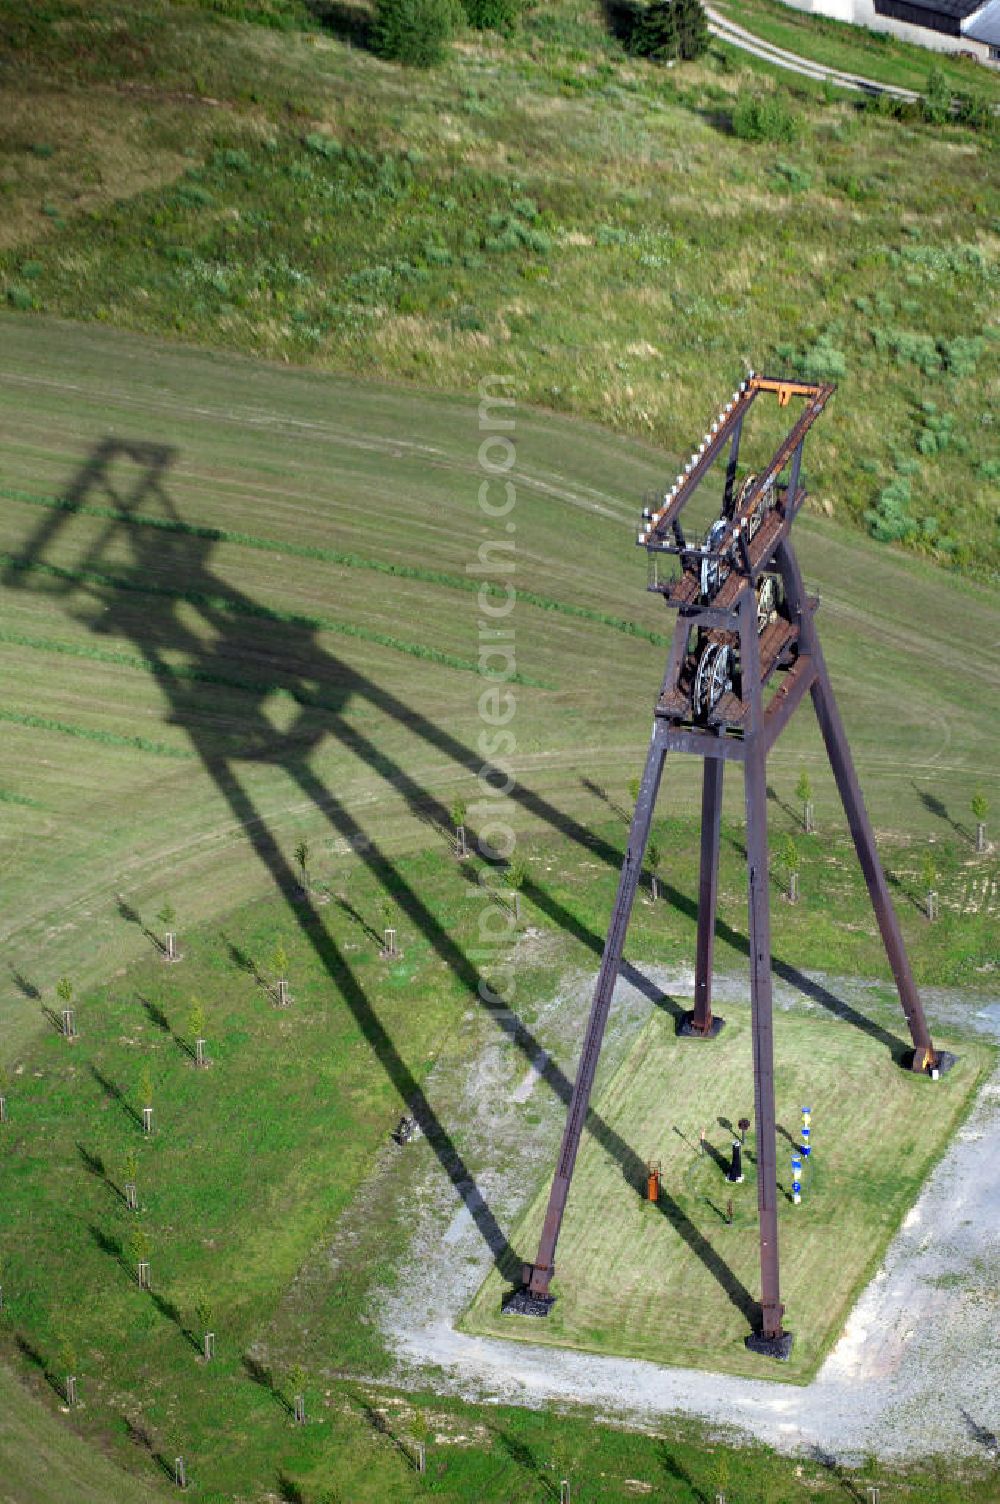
418,32
769,117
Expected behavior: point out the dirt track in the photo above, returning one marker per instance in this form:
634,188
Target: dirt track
918,1365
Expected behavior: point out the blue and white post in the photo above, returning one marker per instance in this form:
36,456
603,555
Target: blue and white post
797,1179
806,1130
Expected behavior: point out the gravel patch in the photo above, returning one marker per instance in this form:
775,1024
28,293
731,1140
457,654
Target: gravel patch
917,1369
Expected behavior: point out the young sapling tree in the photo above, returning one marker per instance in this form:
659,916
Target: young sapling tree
168,918
980,807
139,1247
515,877
130,1170
654,856
203,1317
67,1363
297,1389
420,1427
302,857
389,952
146,1098
458,813
791,860
720,1475
196,1025
929,874
64,992
279,960
804,794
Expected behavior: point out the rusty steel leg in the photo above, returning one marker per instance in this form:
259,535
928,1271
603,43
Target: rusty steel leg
734,458
535,1300
925,1057
772,1339
700,1023
763,1042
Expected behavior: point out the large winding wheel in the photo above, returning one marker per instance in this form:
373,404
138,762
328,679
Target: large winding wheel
714,676
767,602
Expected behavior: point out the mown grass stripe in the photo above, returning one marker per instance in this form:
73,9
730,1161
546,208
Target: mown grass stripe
168,670
231,606
7,796
85,733
349,560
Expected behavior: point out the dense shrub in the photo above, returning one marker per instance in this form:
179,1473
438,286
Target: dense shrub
961,353
889,520
692,29
323,145
764,117
935,434
975,110
908,348
668,29
492,15
416,32
936,103
511,233
823,361
792,178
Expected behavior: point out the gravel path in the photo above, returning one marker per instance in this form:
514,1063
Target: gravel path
747,41
918,1365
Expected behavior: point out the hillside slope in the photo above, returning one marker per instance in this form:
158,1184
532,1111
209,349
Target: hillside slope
543,207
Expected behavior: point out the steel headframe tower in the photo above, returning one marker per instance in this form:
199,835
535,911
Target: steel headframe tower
742,618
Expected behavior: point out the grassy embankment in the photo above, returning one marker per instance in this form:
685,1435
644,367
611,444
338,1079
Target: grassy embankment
854,49
541,207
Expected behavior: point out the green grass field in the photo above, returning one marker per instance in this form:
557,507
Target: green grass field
236,613
98,661
197,685
253,1160
44,1461
673,1283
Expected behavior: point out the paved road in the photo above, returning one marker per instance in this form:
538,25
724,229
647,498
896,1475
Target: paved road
738,36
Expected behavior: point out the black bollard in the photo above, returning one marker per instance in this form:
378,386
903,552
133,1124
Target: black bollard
735,1173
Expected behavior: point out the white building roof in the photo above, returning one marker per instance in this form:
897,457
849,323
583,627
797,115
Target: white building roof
984,25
